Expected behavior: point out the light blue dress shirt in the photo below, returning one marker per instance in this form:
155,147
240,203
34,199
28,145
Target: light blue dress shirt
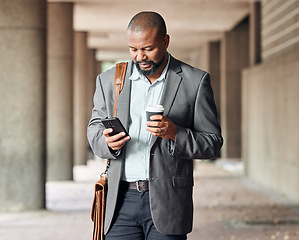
143,93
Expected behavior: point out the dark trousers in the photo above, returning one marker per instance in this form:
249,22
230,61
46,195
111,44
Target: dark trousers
133,220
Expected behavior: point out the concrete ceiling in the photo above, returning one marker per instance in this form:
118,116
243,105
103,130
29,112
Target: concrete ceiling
190,23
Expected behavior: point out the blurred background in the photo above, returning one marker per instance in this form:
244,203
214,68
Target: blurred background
51,52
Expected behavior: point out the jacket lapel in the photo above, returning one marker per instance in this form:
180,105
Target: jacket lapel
172,82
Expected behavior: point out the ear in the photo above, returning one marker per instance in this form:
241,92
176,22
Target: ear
166,41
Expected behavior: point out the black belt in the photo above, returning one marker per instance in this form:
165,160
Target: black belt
140,186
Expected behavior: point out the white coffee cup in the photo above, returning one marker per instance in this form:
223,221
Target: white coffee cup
154,110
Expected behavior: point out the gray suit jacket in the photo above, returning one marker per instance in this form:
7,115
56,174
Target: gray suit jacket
188,101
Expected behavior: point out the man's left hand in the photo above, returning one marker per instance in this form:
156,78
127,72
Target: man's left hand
162,127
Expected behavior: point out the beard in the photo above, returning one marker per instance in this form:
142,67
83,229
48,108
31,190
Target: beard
154,68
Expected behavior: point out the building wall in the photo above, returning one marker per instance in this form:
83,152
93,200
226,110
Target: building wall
270,124
270,102
280,27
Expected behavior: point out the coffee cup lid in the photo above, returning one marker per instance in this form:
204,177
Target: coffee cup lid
154,108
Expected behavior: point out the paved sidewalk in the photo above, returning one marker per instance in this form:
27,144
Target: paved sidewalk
227,207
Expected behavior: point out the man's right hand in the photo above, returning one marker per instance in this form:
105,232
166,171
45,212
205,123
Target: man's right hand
116,141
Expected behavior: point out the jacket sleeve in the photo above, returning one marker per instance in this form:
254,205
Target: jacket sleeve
203,140
95,127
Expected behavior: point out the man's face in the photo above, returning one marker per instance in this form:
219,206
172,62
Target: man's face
148,51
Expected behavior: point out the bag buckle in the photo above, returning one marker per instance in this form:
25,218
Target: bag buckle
137,186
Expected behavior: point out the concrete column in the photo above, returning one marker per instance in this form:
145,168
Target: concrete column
80,98
98,67
234,57
60,92
95,70
195,58
255,33
211,64
91,65
91,81
22,104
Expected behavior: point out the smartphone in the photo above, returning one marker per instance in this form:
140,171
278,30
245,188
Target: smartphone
115,124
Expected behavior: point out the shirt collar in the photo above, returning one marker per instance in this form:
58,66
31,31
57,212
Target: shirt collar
136,75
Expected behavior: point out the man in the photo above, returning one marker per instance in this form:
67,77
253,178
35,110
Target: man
150,178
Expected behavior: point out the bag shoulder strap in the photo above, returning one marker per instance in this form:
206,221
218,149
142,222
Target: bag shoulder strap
119,79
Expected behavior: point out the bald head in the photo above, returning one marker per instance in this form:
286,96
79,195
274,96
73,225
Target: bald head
145,21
